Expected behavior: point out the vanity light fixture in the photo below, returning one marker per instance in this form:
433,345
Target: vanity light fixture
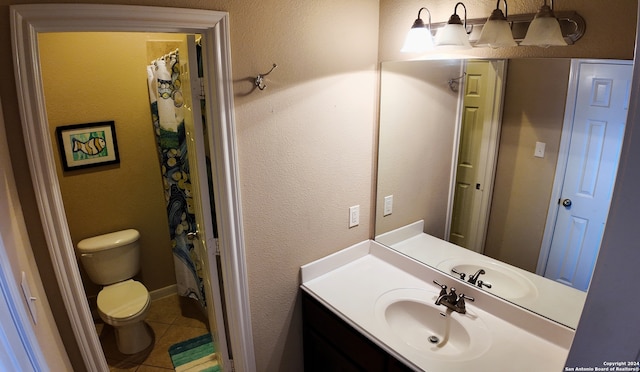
545,28
419,38
454,34
496,32
544,31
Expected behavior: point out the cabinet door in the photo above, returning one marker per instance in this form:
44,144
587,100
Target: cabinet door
320,356
395,365
329,338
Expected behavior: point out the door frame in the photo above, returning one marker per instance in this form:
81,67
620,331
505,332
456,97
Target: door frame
563,155
29,20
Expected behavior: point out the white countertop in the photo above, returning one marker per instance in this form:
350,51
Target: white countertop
351,283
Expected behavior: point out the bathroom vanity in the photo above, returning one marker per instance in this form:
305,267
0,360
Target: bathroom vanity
371,308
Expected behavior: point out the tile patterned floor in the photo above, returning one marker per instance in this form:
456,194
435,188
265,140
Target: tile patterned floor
172,319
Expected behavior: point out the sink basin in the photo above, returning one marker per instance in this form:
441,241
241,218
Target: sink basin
505,282
431,330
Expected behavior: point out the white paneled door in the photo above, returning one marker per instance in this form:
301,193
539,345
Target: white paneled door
599,117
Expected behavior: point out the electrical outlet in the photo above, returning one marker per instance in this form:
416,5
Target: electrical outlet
354,216
388,205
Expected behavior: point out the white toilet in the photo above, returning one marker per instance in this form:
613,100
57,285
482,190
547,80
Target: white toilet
112,260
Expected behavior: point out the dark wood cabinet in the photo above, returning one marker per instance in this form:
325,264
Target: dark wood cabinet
330,344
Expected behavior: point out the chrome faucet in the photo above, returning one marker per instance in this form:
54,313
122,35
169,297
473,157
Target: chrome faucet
474,278
452,300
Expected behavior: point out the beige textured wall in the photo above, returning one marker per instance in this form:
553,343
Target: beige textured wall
534,102
418,114
305,149
92,77
609,33
306,143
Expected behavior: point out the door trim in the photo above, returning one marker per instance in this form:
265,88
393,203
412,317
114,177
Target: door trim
26,22
563,155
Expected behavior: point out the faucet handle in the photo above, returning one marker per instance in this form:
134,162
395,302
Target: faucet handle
460,304
443,288
462,275
463,296
481,283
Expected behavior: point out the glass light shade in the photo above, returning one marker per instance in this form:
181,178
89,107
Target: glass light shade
496,34
453,35
419,39
544,32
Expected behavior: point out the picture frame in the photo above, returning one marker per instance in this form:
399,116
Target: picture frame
88,145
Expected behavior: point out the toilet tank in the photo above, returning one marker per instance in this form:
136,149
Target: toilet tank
112,257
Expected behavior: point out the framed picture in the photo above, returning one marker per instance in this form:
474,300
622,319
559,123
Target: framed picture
88,145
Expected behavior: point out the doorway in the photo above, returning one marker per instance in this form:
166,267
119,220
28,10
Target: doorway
30,20
90,77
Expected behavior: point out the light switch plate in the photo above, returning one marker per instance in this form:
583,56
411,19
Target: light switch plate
354,216
388,205
539,152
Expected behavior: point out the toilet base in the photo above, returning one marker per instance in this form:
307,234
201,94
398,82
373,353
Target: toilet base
133,338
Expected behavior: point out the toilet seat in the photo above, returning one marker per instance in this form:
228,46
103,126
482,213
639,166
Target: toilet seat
123,300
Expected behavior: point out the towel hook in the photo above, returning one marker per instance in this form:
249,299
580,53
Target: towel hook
259,80
455,82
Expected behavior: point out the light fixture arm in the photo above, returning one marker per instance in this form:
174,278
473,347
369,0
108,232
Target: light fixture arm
497,14
506,10
455,19
419,23
428,12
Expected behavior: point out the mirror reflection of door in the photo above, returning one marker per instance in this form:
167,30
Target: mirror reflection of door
595,119
477,149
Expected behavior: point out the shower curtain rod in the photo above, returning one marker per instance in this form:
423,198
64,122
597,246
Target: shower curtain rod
198,42
166,56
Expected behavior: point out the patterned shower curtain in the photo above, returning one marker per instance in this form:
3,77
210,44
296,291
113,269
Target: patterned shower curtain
167,113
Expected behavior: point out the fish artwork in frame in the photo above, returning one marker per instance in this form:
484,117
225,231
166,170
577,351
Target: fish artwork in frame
88,145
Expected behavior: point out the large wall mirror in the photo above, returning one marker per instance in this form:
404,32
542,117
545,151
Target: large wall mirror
504,159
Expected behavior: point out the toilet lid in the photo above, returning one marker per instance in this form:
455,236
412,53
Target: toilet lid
123,300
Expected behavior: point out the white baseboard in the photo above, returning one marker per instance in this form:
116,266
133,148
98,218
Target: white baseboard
163,292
